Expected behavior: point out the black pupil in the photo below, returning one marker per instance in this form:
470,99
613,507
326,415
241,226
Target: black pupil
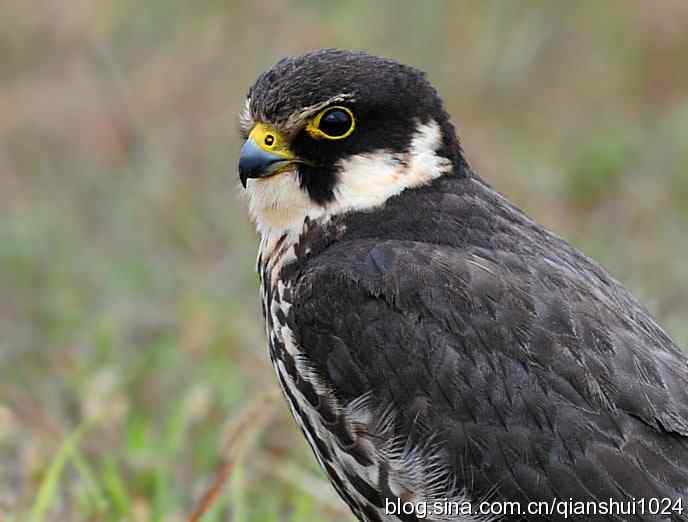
269,140
335,123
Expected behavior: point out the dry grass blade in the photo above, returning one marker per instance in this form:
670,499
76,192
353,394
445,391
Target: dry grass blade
248,423
48,491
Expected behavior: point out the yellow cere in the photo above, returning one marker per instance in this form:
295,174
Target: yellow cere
271,140
313,127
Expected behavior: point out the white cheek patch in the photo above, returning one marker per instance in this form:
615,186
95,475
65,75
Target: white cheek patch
425,164
365,181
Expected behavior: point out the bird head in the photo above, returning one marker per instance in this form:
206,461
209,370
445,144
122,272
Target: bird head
334,131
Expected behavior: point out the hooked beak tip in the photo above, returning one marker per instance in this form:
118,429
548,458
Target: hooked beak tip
254,162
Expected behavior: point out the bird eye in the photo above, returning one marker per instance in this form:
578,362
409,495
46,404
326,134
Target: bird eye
334,123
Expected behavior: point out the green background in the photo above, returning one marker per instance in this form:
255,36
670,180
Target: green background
129,317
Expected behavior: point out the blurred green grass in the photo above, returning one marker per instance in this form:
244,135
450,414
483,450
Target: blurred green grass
129,305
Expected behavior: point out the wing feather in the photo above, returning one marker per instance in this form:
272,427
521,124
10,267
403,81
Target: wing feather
533,380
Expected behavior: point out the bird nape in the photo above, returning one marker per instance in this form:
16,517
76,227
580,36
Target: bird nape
441,351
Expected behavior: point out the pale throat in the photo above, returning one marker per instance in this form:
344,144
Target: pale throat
279,205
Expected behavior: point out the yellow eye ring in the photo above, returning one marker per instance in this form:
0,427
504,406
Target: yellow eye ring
333,123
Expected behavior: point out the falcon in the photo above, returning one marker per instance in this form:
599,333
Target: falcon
438,348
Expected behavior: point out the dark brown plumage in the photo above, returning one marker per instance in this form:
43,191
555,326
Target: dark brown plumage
444,345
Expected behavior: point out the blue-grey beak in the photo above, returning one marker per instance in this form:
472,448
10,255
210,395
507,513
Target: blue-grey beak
254,162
